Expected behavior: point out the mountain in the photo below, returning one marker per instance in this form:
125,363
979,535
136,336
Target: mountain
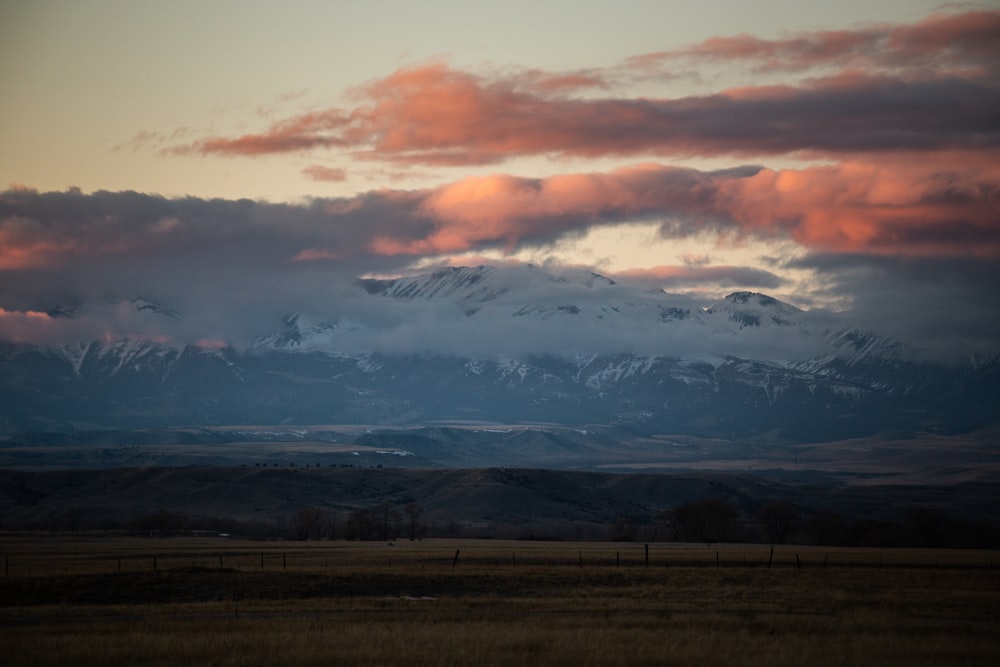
510,346
496,502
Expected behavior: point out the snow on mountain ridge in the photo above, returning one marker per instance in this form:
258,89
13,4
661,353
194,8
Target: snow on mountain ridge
467,283
523,346
529,310
300,332
486,311
755,309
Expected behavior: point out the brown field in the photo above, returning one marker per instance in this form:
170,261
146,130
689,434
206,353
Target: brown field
211,601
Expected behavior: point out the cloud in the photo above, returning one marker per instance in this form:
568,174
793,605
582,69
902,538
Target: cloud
311,130
927,86
947,306
894,206
320,173
24,326
434,115
942,42
720,275
234,267
883,207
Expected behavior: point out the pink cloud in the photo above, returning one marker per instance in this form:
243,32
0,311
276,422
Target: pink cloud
37,327
886,207
318,255
320,173
924,86
25,251
934,204
299,133
940,41
22,326
211,344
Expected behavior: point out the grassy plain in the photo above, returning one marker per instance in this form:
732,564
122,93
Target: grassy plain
211,601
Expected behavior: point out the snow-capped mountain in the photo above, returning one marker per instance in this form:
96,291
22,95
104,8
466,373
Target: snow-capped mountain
582,313
750,309
509,345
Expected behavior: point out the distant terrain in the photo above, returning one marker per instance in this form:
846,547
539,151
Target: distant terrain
488,345
500,401
887,458
303,502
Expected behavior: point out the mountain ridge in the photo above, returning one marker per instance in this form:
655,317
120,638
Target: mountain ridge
594,351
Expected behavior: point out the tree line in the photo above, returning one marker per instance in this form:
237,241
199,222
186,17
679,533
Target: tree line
709,521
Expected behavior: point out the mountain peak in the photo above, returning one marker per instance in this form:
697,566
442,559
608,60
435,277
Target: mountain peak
445,282
754,309
745,297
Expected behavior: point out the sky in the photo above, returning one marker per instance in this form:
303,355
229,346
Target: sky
238,160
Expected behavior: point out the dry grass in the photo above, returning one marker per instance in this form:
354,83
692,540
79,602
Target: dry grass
64,602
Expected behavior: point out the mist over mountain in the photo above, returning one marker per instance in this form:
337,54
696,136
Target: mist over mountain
512,345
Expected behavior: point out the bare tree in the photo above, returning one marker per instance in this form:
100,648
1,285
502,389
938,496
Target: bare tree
825,528
623,530
413,515
708,521
779,520
312,523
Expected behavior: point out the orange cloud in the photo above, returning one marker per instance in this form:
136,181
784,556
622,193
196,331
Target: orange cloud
929,204
311,130
940,41
320,173
20,252
915,87
439,116
317,255
21,326
886,207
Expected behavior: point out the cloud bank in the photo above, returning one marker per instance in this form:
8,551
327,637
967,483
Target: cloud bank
896,212
919,87
250,262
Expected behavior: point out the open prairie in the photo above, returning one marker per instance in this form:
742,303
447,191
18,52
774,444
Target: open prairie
154,601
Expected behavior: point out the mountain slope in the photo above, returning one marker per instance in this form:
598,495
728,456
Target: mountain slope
510,346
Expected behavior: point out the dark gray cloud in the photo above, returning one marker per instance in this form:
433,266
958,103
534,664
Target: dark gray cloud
722,276
949,306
